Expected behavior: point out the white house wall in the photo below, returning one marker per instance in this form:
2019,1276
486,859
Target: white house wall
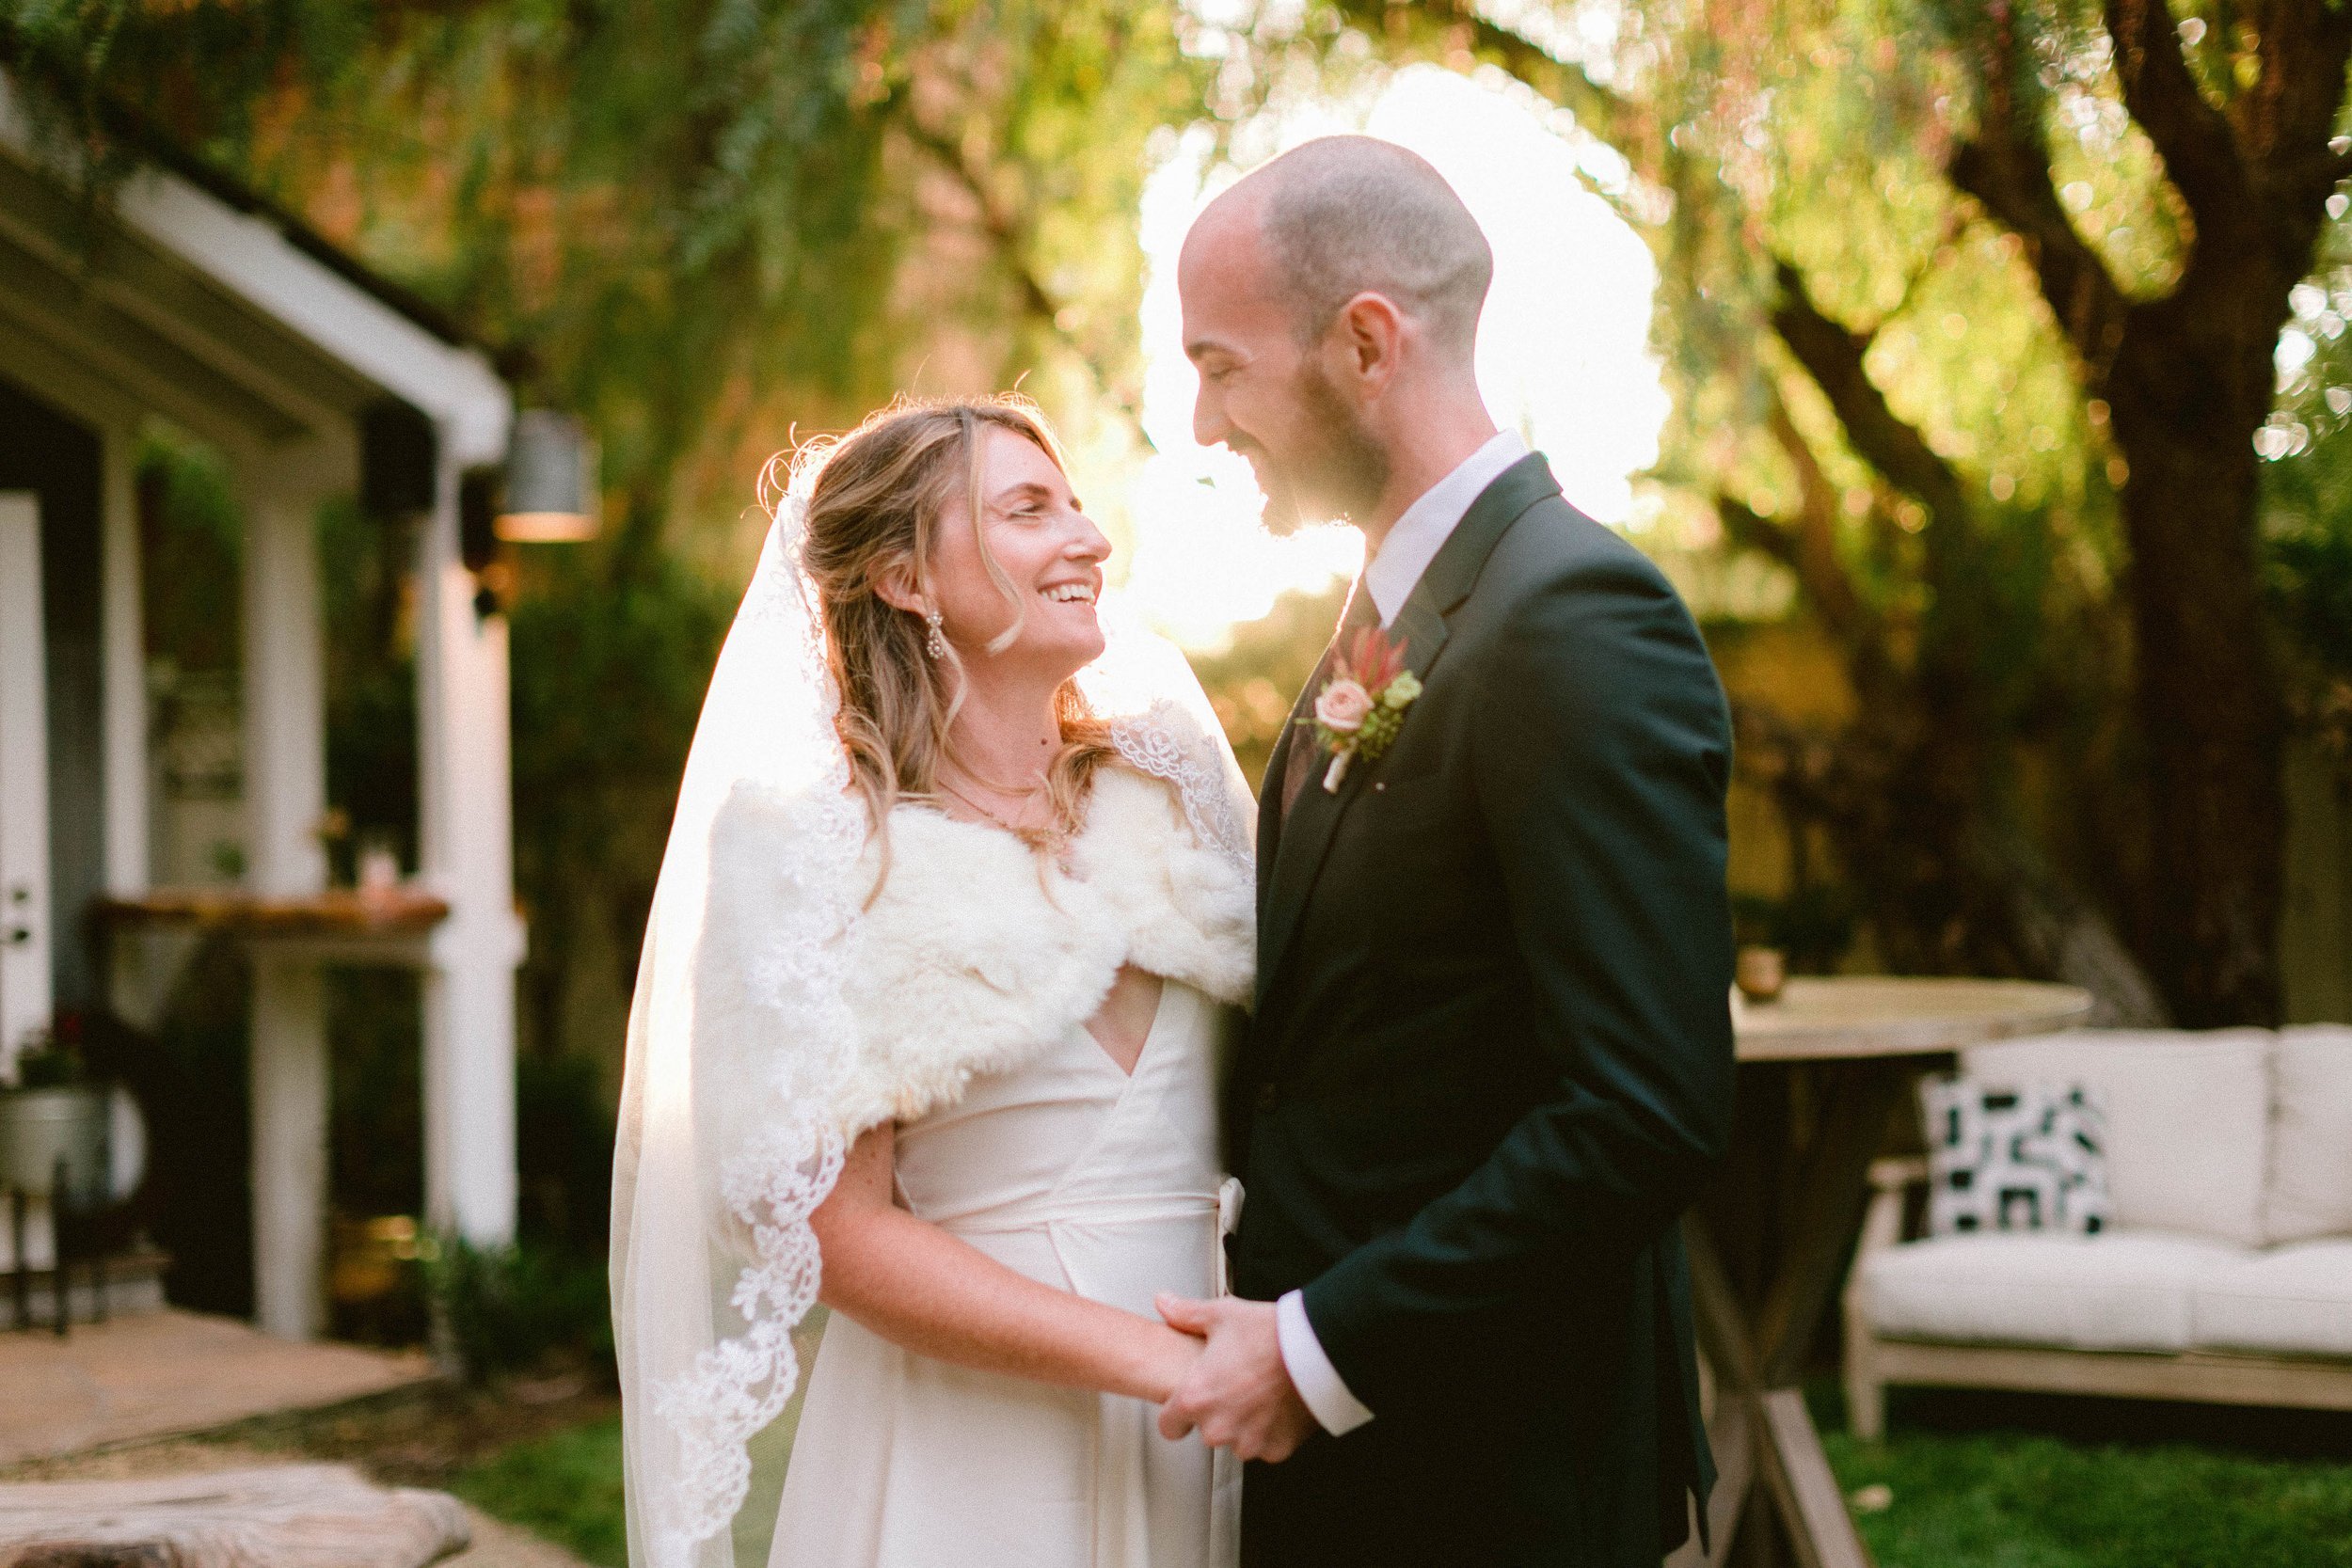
24,982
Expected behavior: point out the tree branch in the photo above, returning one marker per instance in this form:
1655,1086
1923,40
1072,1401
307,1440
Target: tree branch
1007,233
2007,168
2199,151
2285,123
1605,114
1833,358
1001,227
1815,537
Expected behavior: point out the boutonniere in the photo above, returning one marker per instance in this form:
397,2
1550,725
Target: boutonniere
1362,706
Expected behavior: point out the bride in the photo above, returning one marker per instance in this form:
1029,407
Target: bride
956,909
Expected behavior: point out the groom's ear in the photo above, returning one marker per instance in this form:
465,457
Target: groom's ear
1370,332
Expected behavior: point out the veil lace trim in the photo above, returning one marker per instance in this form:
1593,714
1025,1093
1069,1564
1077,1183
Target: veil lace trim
1164,743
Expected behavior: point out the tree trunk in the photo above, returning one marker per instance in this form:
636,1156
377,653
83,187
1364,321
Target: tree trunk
2189,379
2208,696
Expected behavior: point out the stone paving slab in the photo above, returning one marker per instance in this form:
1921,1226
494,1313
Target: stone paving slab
154,1374
285,1515
496,1543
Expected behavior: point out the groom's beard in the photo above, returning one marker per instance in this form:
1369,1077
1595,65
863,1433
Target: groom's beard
1339,475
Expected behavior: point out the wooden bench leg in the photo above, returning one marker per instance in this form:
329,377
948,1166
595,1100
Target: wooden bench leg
1866,1392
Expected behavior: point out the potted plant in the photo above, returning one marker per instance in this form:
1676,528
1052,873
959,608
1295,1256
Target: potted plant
56,1115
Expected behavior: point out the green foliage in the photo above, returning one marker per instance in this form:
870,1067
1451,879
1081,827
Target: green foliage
192,1080
375,1138
563,1154
43,1062
1254,679
2307,500
1951,509
691,218
609,672
2311,574
365,569
1813,925
191,546
511,1309
566,1486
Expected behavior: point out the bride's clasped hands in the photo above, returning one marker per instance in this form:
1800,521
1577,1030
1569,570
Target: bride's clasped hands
1237,1393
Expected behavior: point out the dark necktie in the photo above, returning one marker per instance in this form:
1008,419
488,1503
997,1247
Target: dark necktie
1303,752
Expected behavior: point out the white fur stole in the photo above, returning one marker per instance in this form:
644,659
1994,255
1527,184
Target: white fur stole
978,954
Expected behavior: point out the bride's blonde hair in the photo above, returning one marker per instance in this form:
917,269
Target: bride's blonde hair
877,499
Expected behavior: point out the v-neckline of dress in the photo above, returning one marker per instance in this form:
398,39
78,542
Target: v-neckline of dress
1151,1033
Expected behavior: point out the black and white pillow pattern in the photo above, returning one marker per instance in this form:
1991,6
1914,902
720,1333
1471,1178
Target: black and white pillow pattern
2011,1158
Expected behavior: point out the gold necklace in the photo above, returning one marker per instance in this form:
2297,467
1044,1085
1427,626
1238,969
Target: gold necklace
1048,836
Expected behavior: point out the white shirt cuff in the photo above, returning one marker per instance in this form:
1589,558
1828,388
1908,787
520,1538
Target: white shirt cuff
1336,1410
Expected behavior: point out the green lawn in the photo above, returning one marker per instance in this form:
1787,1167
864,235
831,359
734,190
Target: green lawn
1980,1481
1975,1483
566,1487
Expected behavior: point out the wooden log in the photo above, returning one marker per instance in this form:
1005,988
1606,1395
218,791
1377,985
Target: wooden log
289,1516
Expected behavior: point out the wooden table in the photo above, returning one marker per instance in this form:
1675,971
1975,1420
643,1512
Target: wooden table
1823,1071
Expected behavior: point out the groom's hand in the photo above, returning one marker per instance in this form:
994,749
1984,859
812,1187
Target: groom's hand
1238,1393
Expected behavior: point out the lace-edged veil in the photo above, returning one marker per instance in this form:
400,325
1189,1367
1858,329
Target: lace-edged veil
738,1040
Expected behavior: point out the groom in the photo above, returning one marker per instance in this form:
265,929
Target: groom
1491,1059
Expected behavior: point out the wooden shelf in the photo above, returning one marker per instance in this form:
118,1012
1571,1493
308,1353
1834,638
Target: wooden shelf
339,912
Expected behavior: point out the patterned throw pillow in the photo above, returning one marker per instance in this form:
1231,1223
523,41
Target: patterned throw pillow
2014,1158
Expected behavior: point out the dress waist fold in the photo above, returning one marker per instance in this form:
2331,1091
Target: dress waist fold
1106,1209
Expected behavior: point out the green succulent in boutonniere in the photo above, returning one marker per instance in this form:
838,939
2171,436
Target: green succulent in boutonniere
1361,708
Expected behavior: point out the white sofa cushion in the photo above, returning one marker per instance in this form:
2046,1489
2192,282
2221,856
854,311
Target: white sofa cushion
2311,1135
2290,1301
2188,1119
2119,1291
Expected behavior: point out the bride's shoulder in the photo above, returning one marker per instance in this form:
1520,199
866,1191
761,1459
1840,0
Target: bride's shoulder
1122,795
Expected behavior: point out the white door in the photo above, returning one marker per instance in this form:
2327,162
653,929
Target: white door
23,782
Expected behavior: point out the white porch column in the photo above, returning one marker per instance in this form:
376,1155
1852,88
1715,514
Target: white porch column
290,1112
466,816
123,670
285,692
285,795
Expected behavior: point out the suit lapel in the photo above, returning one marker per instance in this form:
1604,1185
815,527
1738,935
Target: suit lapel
1271,788
1270,810
1287,871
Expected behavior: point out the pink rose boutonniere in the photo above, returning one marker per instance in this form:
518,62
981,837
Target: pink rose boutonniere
1362,706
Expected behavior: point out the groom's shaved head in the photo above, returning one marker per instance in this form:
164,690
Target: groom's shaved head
1331,303
1344,215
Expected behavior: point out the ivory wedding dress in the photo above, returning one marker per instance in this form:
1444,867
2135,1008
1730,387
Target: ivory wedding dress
785,1003
972,974
1085,1178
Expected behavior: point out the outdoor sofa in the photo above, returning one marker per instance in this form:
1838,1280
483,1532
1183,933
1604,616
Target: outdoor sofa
2223,1273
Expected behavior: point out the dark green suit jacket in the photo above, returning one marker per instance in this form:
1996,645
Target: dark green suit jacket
1491,1064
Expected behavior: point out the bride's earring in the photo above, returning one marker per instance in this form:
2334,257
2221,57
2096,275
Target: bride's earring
935,643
